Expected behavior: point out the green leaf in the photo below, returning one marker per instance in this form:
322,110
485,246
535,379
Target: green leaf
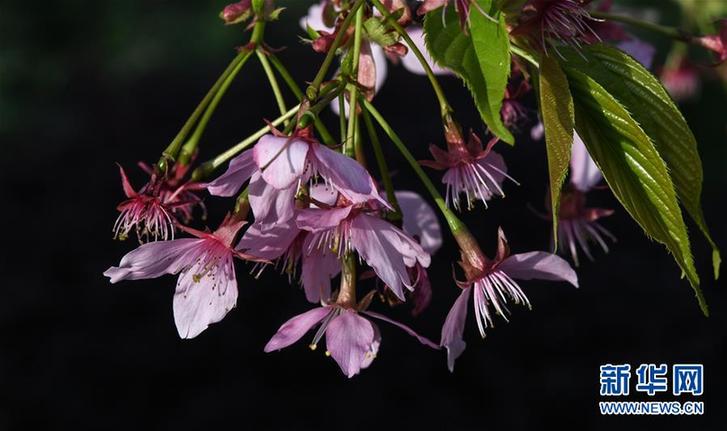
481,57
633,168
556,108
650,105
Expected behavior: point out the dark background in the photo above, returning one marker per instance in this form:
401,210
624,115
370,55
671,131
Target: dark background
86,84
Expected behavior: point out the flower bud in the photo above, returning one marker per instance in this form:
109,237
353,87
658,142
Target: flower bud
236,12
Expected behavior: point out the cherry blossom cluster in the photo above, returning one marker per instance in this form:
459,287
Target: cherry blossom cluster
310,206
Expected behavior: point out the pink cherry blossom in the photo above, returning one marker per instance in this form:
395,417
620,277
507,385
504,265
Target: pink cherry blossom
471,171
351,340
206,287
493,285
357,227
151,211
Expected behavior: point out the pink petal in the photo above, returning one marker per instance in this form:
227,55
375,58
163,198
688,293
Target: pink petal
296,327
387,250
420,220
125,184
202,301
538,265
373,349
316,219
282,160
454,328
268,242
314,19
349,338
154,259
345,173
323,194
271,205
239,171
318,269
584,173
424,340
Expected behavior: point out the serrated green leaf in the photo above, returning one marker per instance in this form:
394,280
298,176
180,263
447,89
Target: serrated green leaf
633,168
556,108
650,105
481,57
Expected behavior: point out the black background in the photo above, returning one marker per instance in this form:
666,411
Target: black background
88,84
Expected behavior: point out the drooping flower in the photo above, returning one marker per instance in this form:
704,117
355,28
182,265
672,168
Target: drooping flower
278,165
577,224
206,287
493,284
151,212
471,171
350,226
351,339
549,22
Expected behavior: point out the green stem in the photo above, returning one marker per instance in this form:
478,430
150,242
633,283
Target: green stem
210,166
342,116
350,143
312,90
191,145
455,224
671,32
381,162
446,109
170,153
273,82
290,82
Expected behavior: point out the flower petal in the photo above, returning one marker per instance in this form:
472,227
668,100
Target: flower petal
204,296
316,219
296,327
345,173
318,269
268,242
538,265
154,259
584,173
282,160
349,338
239,170
454,328
388,250
420,220
271,205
